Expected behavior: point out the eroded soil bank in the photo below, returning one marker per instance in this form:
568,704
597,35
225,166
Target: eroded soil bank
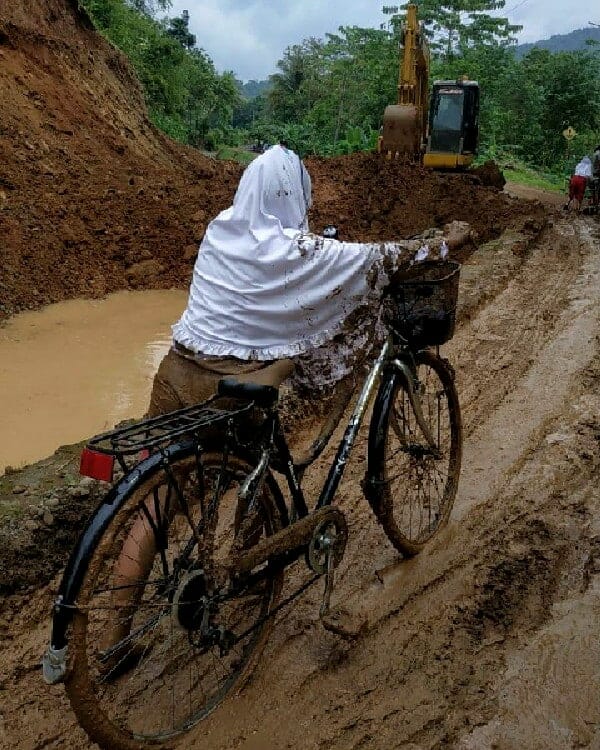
488,639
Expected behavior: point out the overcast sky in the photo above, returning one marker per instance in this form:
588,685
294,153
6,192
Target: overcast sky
249,36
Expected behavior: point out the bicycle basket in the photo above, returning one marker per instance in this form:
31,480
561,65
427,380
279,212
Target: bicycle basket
421,305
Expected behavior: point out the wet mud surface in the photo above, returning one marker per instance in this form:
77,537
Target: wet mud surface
489,638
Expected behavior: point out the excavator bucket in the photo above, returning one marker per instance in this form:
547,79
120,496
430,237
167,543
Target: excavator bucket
401,131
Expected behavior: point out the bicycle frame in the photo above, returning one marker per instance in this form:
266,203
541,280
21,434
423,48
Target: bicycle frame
344,450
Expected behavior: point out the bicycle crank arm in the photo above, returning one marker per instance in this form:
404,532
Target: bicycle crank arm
288,540
415,402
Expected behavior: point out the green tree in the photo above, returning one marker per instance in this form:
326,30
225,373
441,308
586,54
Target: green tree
453,25
334,88
179,28
150,7
294,87
549,92
186,96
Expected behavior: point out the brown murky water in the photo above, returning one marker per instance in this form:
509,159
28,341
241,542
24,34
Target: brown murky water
76,368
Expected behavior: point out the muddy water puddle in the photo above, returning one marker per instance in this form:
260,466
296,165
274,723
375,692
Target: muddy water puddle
76,368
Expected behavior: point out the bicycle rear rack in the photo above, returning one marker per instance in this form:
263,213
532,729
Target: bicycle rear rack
147,436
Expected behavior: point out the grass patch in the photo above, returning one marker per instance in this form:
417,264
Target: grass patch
531,178
10,509
233,153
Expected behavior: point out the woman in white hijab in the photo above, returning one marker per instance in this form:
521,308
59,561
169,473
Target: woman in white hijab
265,289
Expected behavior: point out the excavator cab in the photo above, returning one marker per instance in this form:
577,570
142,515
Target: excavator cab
453,131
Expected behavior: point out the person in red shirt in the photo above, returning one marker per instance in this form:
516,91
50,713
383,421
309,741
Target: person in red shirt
579,182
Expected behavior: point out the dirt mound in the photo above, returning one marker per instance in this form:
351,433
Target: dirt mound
369,197
93,198
490,175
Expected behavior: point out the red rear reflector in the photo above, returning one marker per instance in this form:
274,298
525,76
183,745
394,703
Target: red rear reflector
144,454
96,465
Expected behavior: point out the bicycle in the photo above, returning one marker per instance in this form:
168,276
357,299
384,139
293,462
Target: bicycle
171,592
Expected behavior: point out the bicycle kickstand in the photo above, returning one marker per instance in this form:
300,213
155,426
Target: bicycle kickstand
329,579
339,621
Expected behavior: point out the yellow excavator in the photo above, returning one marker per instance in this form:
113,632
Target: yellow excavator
442,131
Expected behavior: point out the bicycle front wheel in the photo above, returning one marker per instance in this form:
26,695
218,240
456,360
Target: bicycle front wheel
157,642
415,486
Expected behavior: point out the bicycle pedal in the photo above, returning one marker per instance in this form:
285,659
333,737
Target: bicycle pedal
347,625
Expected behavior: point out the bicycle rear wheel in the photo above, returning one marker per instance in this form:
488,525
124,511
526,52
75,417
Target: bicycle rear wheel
155,643
415,486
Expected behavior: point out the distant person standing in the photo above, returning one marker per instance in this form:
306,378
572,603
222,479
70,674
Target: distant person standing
579,182
596,177
596,162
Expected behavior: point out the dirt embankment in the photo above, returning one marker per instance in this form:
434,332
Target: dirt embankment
92,197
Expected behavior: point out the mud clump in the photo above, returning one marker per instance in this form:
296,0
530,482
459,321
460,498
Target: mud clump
490,175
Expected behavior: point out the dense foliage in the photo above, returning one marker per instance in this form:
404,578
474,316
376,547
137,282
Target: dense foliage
328,95
186,96
453,25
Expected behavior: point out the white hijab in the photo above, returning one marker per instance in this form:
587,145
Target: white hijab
584,168
262,288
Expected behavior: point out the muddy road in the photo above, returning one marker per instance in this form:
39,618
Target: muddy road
489,638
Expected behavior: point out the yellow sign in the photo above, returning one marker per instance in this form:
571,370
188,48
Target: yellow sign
569,133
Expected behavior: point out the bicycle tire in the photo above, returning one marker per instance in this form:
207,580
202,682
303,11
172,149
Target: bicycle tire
113,708
407,457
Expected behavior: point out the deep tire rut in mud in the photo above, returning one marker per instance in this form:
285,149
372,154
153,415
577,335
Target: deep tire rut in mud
488,638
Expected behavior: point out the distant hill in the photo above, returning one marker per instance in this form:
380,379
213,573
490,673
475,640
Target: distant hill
252,89
571,42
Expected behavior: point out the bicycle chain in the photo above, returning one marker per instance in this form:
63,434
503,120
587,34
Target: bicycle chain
277,609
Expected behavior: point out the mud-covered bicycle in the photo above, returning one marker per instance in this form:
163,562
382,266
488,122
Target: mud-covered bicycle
173,587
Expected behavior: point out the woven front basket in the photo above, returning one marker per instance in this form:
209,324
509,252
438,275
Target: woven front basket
421,304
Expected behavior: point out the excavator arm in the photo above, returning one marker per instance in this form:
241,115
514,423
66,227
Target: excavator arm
405,123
